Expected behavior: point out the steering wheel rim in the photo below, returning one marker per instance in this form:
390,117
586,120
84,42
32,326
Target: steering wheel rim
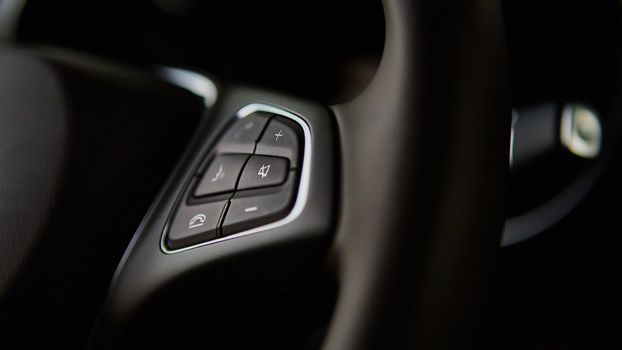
420,225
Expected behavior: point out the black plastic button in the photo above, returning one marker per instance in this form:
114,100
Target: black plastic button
261,208
221,175
195,224
244,133
281,139
261,171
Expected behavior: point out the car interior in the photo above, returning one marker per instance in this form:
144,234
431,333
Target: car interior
372,174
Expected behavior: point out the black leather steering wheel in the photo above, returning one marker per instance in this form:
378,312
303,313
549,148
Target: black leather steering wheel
404,186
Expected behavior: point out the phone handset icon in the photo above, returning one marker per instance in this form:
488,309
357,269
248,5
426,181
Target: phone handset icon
196,221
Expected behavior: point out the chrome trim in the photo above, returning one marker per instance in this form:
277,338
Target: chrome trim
575,117
10,15
514,121
194,82
303,187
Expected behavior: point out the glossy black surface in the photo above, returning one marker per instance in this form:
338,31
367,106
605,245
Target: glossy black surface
281,139
195,224
262,171
221,175
249,209
243,135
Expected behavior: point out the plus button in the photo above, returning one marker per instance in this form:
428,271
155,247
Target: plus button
277,135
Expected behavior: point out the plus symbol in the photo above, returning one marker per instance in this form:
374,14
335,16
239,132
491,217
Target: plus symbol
277,135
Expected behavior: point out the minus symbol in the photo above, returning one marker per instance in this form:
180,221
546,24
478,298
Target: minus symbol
249,209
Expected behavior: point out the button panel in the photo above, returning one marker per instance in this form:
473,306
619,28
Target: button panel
250,181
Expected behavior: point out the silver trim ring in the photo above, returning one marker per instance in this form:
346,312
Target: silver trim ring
581,131
303,187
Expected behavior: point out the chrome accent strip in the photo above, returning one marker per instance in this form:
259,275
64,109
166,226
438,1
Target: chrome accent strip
194,82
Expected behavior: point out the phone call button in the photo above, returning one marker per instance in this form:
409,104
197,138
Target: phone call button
195,224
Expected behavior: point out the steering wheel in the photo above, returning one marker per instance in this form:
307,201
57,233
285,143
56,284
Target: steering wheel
396,198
